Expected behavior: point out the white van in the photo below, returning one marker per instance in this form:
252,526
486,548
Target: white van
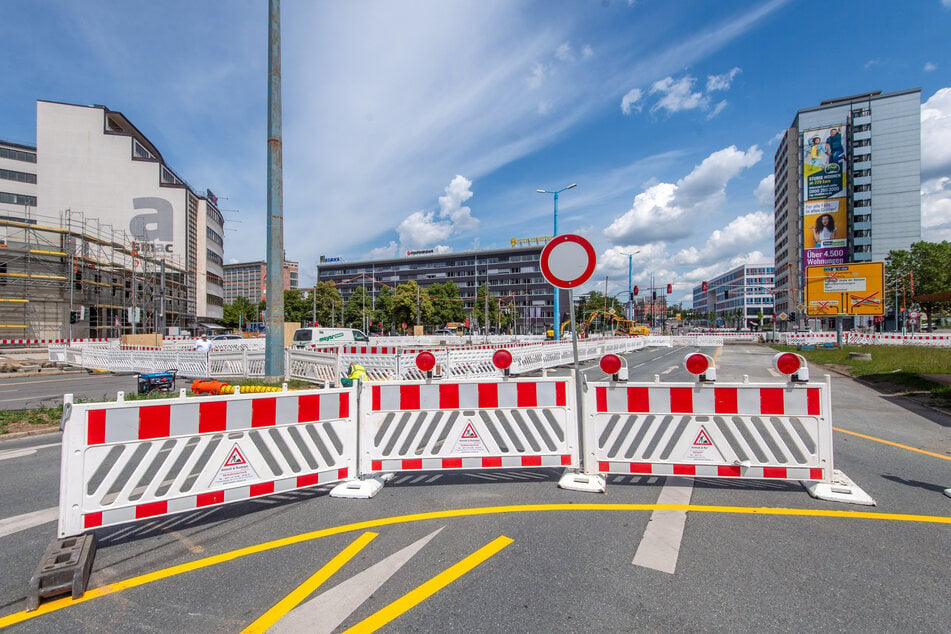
310,337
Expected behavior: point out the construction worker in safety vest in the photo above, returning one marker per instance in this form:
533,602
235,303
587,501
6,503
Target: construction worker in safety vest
356,372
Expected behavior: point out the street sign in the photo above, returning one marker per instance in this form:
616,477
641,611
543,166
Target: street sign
568,261
783,315
913,314
912,321
845,289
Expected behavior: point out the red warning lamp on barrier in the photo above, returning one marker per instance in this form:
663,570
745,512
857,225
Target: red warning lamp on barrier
612,364
701,366
502,359
792,365
426,361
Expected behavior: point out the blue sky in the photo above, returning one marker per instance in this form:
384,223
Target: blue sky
430,124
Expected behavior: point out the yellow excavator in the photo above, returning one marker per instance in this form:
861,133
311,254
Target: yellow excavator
621,326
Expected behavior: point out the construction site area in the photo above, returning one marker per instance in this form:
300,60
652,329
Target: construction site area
74,278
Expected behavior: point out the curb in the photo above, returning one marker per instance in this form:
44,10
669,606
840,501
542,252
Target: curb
27,434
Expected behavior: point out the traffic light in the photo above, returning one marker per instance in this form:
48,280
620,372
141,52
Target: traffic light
703,286
635,290
670,289
73,316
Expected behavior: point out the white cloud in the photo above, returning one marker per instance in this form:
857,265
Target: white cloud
936,209
936,135
631,101
537,76
741,233
380,253
421,229
717,109
660,212
587,52
765,192
929,67
677,94
564,53
722,82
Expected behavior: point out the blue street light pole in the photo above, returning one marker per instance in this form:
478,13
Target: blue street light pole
557,326
630,283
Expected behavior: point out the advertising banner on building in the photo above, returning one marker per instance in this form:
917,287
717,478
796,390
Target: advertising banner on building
848,289
825,226
824,187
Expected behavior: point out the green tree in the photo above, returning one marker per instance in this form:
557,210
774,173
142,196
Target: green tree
447,305
296,306
383,310
407,298
239,312
359,306
484,301
924,269
329,304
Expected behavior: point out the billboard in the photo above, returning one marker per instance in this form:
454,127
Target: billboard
847,289
824,187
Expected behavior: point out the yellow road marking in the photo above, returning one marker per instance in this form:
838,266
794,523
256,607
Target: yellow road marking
304,590
198,564
414,597
893,444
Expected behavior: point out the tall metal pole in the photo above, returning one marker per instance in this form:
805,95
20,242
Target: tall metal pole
557,320
161,315
274,343
630,289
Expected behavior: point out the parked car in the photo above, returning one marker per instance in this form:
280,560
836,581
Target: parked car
227,337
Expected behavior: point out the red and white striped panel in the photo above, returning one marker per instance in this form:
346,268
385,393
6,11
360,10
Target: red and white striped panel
477,462
704,399
116,423
110,517
712,471
451,396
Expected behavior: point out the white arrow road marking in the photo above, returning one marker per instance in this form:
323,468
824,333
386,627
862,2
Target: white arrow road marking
28,520
25,451
660,545
325,612
669,370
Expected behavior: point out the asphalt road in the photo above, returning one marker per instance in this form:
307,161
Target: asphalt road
510,551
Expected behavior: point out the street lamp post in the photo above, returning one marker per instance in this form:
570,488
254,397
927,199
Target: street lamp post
557,320
630,284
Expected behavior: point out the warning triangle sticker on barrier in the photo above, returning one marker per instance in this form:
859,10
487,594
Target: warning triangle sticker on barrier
235,469
469,441
703,449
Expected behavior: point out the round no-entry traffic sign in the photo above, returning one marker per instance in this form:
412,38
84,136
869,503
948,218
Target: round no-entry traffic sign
568,261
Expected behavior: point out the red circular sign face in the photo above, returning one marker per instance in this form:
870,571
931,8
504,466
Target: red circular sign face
568,261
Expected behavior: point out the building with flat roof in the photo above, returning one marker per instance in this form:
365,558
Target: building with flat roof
102,236
513,276
740,295
249,280
847,188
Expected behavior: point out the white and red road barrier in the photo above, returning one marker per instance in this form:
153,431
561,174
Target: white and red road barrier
746,430
126,461
489,424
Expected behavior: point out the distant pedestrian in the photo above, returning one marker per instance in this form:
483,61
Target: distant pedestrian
203,345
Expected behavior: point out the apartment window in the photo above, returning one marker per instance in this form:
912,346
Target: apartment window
168,178
213,236
17,199
140,151
17,155
20,177
863,188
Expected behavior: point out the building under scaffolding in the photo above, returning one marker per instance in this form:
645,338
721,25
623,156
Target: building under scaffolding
71,278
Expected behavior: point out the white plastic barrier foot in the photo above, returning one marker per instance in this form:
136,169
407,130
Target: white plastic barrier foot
362,489
584,482
947,492
840,489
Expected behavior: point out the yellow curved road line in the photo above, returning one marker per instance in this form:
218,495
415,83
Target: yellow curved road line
893,444
165,573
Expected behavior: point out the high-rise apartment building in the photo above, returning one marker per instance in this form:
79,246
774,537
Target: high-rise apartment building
847,188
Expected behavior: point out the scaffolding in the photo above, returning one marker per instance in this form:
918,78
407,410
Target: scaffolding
72,277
